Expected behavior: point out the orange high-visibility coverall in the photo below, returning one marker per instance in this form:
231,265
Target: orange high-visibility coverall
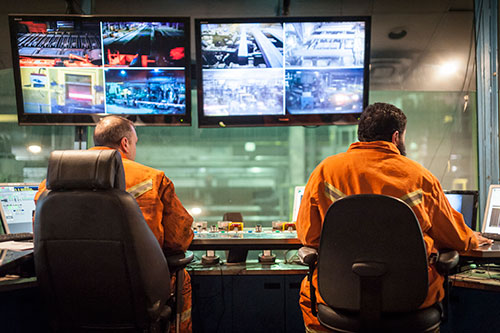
163,212
379,168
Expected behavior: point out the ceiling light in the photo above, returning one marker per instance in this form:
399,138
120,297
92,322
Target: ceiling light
448,68
250,146
195,211
35,149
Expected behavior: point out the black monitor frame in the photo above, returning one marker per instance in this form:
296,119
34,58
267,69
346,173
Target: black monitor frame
475,195
288,119
92,118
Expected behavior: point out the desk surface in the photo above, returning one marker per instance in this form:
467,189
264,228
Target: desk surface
488,251
250,267
482,279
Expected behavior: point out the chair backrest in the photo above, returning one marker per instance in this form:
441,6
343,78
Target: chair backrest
97,262
372,229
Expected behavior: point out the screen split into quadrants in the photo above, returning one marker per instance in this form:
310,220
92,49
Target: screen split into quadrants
99,66
284,69
74,69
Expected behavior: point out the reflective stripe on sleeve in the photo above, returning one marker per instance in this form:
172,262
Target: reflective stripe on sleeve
332,193
413,198
186,315
141,188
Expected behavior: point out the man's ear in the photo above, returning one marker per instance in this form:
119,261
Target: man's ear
395,138
124,145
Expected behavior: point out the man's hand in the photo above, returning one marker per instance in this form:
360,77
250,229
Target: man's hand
482,240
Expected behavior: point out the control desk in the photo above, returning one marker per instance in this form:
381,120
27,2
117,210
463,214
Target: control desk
248,238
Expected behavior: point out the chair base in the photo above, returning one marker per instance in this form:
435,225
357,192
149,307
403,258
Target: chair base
422,320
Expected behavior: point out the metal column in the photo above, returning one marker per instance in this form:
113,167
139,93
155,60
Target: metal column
486,20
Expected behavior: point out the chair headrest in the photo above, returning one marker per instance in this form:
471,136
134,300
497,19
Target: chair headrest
85,169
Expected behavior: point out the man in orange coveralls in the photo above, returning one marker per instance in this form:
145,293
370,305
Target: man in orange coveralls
155,194
377,164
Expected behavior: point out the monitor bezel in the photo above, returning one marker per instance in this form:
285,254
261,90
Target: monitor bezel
3,222
475,195
288,119
93,119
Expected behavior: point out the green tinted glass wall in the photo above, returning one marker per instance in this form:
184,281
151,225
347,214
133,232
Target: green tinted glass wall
254,170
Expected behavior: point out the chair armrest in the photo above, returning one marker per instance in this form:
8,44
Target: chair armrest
447,260
308,255
178,260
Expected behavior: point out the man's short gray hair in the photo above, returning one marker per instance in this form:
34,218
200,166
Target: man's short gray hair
110,130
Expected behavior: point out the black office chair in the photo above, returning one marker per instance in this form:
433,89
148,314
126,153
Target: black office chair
372,268
98,265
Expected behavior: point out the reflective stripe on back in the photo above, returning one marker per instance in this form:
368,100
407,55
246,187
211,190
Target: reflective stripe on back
141,188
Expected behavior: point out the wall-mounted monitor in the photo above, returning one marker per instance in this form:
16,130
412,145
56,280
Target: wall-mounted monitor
72,70
282,71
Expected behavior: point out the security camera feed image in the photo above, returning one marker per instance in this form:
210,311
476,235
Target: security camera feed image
243,92
247,45
62,90
59,43
143,44
325,44
284,68
98,66
324,91
145,91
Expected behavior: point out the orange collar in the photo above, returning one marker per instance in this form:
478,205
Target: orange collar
107,148
379,145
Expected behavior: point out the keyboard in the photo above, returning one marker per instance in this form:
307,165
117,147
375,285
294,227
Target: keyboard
491,236
22,236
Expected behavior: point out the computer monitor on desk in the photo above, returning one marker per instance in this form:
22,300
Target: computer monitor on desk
491,222
465,202
18,205
297,198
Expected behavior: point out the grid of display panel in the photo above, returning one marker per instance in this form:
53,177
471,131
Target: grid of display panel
281,69
99,66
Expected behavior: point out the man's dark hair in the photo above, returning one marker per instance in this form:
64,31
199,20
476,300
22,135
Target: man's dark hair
379,121
110,131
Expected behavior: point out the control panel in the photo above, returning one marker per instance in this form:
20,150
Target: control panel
229,229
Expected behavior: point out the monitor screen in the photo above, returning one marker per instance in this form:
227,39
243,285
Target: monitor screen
297,198
18,206
464,202
72,70
282,71
491,222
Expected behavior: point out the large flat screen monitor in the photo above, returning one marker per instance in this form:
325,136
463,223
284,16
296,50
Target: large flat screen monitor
282,71
72,70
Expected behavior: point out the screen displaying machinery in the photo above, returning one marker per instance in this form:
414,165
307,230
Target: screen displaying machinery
75,69
282,71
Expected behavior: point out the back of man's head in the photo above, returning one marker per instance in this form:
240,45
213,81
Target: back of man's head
379,121
111,129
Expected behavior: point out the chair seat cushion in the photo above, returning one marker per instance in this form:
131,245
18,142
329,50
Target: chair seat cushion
422,320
